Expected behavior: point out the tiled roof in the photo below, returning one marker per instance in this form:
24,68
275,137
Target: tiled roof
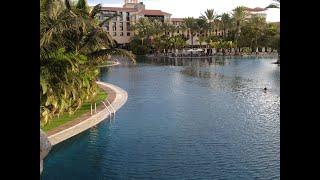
143,11
257,9
118,9
153,12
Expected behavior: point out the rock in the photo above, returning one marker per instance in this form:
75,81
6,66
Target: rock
45,147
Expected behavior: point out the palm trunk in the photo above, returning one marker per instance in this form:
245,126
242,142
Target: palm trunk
191,43
237,36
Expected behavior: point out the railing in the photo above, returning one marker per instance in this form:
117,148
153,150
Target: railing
95,108
110,113
114,111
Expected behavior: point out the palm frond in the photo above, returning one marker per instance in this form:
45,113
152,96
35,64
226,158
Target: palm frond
108,18
96,9
113,51
67,4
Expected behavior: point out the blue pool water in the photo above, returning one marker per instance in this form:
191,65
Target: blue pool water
184,119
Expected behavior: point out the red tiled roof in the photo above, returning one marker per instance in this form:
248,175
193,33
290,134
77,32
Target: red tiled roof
118,9
177,19
257,9
153,12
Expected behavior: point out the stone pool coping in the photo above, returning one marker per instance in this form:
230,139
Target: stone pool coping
116,96
114,63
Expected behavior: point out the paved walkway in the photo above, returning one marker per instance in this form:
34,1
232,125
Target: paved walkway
116,96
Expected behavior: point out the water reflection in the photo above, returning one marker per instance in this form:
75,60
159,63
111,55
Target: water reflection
201,62
202,118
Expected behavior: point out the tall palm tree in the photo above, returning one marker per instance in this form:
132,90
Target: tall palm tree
144,29
191,25
239,16
225,22
259,26
72,44
203,28
211,17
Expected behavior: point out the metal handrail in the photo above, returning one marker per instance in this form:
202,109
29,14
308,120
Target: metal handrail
114,111
110,113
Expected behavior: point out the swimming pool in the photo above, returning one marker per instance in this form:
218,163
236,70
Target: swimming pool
184,119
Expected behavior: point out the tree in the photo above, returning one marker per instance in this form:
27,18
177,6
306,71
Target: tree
72,44
211,17
191,25
239,16
226,23
177,42
258,26
144,29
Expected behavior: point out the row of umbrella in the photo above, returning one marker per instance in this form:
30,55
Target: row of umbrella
190,50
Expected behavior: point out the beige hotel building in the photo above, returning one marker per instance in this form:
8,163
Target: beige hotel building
132,10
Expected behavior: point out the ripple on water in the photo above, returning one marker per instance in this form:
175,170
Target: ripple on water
202,119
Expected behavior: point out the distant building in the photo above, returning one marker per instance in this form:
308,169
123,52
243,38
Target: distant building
132,10
256,12
120,27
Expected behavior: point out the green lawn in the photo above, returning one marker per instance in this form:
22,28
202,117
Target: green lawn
55,122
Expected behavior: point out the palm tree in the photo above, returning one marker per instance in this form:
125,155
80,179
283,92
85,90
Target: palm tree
167,28
276,6
72,44
259,26
239,16
225,22
211,17
191,25
177,42
144,29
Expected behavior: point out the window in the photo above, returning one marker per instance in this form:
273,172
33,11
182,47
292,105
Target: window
128,16
121,16
114,33
114,27
128,26
121,26
106,27
128,33
121,33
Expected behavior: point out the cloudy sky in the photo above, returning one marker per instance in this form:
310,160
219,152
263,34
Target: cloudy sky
185,8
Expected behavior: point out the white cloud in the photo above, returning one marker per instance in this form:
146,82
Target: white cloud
184,8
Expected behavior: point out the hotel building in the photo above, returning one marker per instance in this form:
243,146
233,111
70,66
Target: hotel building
120,27
256,12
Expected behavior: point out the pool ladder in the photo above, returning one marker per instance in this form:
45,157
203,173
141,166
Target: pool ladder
111,107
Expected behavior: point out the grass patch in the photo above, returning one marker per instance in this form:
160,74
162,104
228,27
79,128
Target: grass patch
65,117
